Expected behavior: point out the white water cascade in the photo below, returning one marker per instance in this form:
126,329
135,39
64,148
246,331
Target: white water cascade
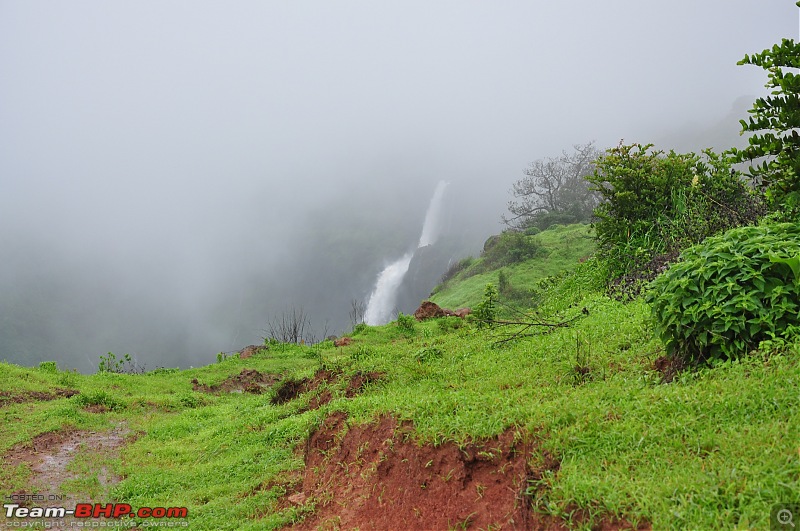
381,302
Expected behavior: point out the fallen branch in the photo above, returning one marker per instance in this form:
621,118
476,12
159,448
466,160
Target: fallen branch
528,322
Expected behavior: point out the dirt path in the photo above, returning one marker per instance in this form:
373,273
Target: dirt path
67,467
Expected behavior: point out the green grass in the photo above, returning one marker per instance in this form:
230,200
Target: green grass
714,449
562,248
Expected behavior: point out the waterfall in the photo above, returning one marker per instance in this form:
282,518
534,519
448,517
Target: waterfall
430,228
381,302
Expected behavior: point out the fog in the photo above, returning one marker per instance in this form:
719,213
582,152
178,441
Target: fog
175,174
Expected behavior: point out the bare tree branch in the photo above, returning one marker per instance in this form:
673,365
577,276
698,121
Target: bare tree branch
555,186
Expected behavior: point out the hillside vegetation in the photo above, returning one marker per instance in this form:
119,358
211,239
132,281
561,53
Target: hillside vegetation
609,442
642,375
544,254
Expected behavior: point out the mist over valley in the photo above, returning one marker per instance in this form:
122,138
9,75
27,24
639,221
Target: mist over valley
174,176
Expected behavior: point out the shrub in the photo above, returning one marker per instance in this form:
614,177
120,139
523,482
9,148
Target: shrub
548,220
730,293
224,356
456,268
773,120
125,364
406,323
48,366
486,311
654,203
447,324
508,248
502,282
427,354
189,400
532,231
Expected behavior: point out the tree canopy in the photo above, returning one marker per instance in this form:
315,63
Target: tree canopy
555,190
774,148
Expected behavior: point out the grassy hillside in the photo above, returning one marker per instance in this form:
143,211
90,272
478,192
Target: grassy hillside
606,441
560,249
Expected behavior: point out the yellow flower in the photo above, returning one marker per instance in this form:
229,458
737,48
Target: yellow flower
695,180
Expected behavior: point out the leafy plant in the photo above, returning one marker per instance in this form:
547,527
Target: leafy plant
360,328
774,121
449,323
189,400
655,203
125,364
427,354
509,247
362,352
48,366
486,311
730,293
406,323
502,282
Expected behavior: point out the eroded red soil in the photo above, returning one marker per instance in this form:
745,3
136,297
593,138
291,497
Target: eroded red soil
290,389
376,476
247,381
7,397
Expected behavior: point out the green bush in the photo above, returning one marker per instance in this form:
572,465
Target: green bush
456,268
656,202
406,323
548,220
124,364
532,231
730,293
486,311
508,248
447,324
189,400
48,366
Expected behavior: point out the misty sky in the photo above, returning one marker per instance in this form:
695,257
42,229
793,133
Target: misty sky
180,163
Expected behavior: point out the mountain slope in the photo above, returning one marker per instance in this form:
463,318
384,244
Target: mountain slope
427,421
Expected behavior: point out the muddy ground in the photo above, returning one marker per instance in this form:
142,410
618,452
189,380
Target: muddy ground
49,456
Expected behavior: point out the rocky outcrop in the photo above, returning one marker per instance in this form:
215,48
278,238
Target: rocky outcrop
431,310
463,312
424,272
248,352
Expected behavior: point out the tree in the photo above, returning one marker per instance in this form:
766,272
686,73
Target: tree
554,190
358,311
292,326
774,120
